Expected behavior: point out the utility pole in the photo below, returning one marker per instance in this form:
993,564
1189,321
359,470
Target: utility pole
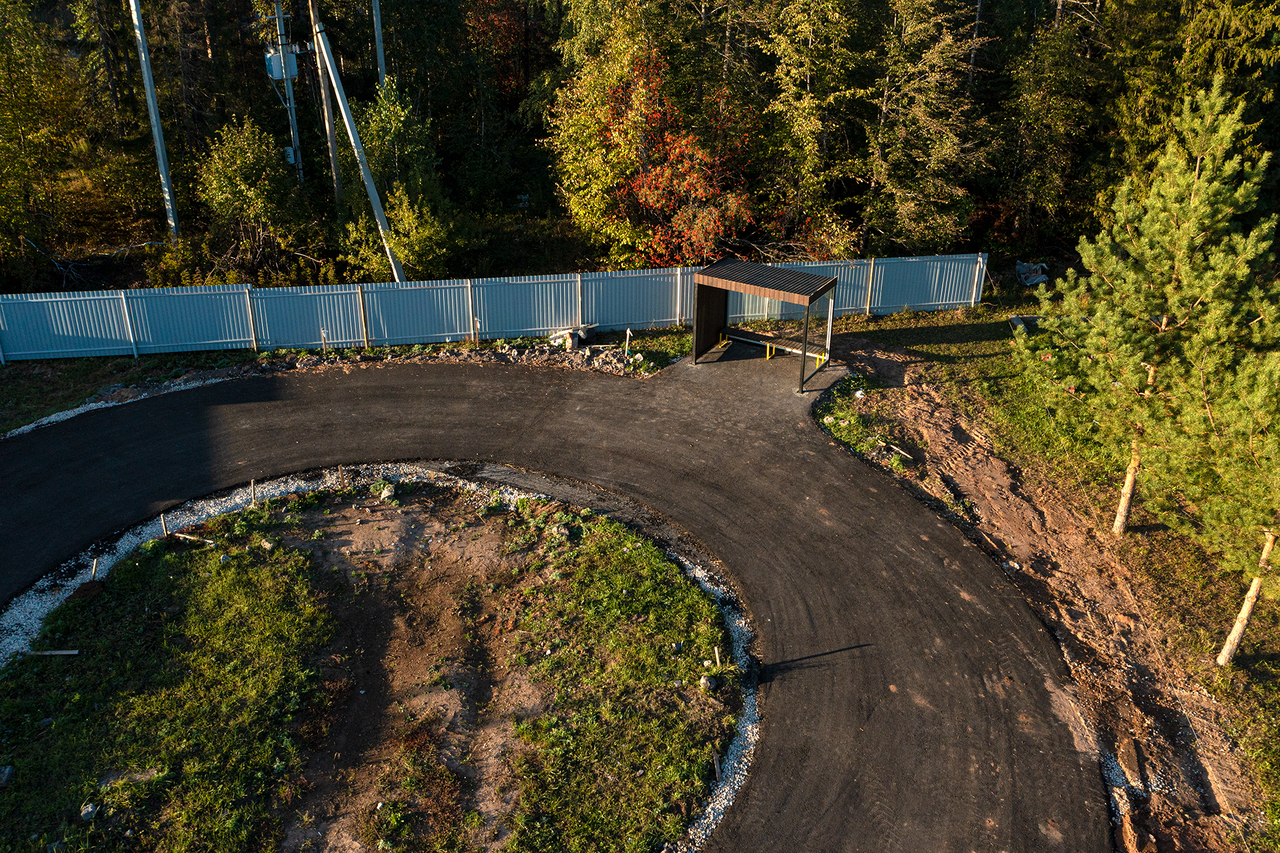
287,71
326,56
330,131
377,42
153,109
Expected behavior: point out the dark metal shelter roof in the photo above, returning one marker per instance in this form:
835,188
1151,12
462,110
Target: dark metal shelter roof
711,307
800,288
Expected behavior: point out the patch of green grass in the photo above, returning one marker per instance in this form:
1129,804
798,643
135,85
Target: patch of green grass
657,348
624,754
179,716
838,412
970,354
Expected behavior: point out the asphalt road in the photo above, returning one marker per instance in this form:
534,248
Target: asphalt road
911,701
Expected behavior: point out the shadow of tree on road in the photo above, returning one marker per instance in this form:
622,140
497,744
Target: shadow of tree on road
771,671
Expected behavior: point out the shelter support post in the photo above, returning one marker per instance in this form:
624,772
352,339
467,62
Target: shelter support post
831,320
820,359
804,349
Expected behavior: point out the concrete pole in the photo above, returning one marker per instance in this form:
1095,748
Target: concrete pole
285,50
326,56
326,97
153,109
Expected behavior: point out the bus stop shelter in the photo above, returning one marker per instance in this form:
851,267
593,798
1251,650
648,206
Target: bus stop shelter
711,307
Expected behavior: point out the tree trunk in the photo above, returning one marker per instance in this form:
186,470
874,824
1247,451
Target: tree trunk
973,41
1246,610
1242,622
1126,494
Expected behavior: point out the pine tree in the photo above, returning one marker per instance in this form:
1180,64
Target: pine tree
1222,471
1171,289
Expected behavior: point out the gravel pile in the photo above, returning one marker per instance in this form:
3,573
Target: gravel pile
20,622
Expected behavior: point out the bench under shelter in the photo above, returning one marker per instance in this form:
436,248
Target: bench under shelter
711,308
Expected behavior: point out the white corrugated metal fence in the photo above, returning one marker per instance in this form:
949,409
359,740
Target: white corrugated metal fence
137,322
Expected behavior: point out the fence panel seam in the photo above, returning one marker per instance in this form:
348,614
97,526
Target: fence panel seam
128,323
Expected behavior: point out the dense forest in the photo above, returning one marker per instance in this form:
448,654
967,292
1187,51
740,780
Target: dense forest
522,136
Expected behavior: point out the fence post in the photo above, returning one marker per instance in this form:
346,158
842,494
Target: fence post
253,324
578,279
471,309
128,323
364,321
978,269
679,296
871,279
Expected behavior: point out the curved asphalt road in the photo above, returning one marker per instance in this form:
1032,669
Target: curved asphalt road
911,700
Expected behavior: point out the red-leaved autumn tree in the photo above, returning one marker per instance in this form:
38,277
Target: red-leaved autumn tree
636,174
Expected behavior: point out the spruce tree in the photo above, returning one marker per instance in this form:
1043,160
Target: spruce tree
923,129
1170,293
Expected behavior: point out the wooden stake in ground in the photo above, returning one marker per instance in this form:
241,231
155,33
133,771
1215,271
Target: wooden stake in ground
1126,494
1246,611
164,525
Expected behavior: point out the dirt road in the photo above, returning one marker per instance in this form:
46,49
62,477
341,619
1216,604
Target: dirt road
911,699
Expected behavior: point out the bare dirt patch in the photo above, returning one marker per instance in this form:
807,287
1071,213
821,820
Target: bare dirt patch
418,669
1175,779
426,678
